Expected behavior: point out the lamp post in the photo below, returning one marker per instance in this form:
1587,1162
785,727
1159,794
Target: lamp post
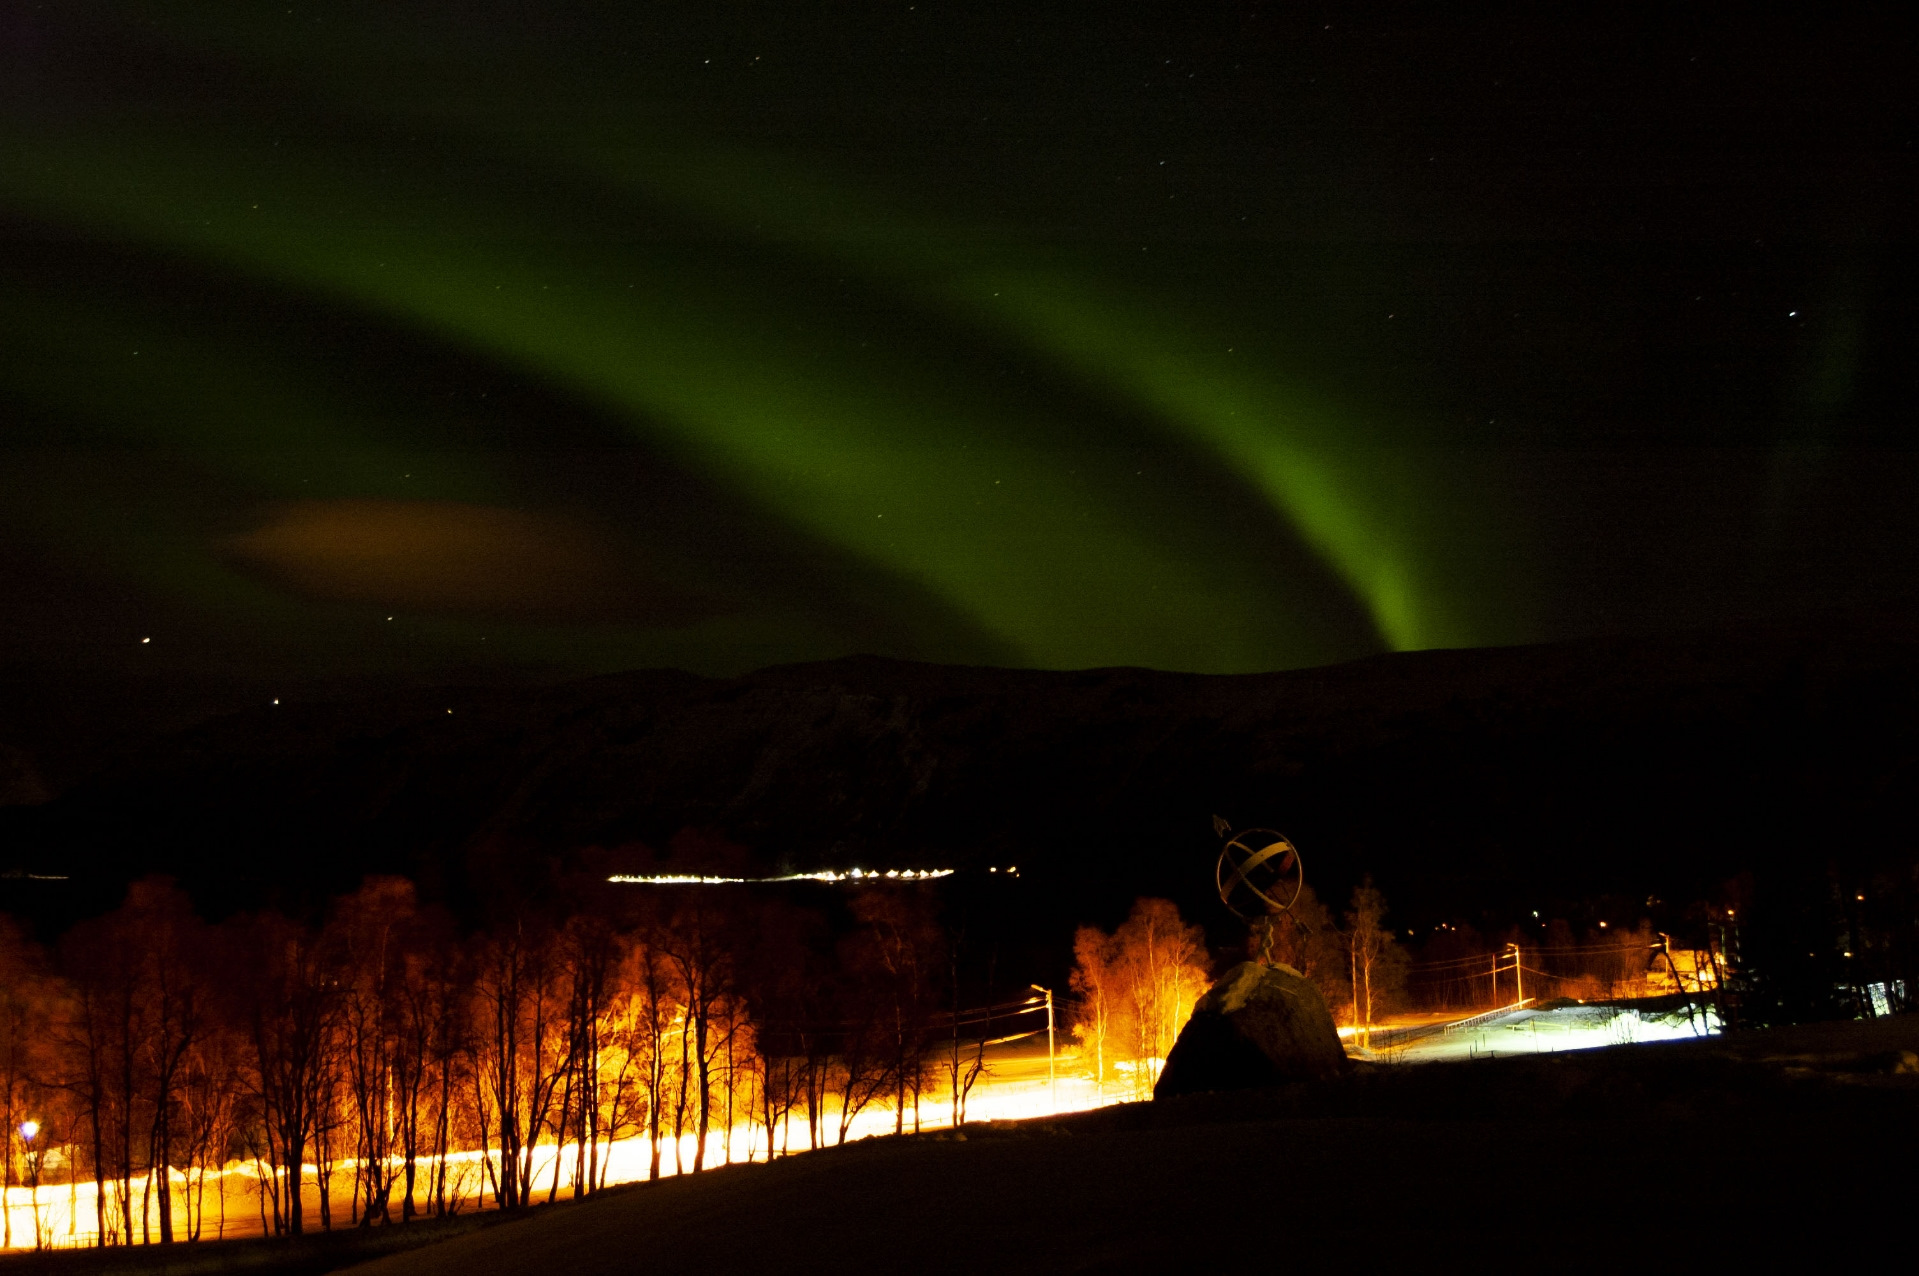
1052,1075
29,1128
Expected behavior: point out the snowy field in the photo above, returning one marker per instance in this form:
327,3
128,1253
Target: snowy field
1533,1030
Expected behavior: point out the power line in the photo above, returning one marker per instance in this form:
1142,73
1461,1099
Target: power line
1483,958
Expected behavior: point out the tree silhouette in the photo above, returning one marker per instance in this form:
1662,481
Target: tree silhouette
1136,987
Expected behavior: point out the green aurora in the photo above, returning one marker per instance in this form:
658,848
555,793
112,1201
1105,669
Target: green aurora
306,319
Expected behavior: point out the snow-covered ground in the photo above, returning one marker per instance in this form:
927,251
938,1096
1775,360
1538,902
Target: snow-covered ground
1530,1030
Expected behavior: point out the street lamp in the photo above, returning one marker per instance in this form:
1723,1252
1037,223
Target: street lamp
29,1128
1052,1076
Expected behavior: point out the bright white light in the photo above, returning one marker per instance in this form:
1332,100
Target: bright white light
28,1129
823,875
672,879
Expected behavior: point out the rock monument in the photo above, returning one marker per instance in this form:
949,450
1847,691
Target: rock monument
1257,1026
1262,1023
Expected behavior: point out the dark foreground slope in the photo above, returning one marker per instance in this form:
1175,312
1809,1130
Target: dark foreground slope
1760,1148
1623,1158
1469,782
1570,1162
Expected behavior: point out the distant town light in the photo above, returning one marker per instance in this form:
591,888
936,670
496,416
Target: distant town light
824,875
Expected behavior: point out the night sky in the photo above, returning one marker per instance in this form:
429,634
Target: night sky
406,339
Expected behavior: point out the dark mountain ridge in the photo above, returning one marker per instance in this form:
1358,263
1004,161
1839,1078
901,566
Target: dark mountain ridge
1478,784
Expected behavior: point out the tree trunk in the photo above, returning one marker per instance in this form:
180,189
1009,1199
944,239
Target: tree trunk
701,1030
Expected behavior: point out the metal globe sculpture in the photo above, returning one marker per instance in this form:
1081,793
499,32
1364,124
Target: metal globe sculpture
1259,874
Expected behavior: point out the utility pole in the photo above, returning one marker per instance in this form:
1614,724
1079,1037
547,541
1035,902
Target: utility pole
1519,979
1496,979
1052,1074
1352,948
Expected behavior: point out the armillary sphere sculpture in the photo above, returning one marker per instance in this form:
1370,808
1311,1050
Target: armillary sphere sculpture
1259,877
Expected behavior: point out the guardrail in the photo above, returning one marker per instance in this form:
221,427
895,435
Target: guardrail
1388,1038
1490,1015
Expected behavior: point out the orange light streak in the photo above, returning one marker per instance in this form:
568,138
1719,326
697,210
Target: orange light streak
1013,1088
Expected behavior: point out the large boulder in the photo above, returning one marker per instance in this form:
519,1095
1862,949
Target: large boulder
1257,1026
